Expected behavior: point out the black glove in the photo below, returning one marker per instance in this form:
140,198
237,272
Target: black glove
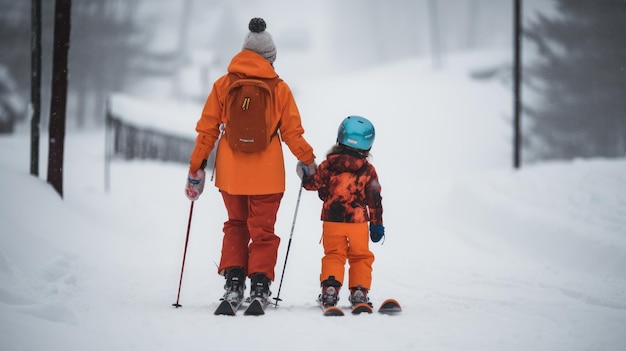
377,232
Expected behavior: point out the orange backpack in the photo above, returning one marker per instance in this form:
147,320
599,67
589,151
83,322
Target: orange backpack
249,106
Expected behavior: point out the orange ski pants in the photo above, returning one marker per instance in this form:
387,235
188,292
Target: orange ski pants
249,239
347,241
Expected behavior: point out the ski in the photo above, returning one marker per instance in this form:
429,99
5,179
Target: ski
362,308
390,306
226,308
256,307
332,311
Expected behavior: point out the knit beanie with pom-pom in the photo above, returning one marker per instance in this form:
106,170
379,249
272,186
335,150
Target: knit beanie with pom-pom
260,41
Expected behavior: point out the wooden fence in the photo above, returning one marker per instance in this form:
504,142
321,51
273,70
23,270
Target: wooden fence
129,140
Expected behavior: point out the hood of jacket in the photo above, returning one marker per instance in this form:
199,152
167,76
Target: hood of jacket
345,162
249,63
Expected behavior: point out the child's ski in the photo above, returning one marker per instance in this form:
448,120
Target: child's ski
390,306
332,311
362,308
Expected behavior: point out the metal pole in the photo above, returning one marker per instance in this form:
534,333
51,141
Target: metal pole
108,145
182,268
293,225
435,37
517,42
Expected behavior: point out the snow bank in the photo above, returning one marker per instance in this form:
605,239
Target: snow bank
480,256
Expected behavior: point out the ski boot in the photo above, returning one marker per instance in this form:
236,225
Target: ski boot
233,296
260,286
360,301
330,292
235,285
259,294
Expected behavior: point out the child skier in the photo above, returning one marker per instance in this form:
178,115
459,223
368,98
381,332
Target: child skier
348,185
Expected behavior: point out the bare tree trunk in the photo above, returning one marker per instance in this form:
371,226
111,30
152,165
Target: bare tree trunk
58,103
35,86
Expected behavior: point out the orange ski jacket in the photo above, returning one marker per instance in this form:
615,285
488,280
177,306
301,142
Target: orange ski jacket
348,185
258,173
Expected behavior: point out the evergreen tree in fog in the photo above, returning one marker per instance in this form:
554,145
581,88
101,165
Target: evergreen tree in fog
580,78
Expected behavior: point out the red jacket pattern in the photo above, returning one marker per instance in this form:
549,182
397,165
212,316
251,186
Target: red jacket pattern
348,185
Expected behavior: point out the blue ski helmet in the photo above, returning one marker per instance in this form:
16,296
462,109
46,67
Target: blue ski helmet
356,132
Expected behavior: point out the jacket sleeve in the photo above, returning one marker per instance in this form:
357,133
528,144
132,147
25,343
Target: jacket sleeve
291,130
318,180
208,127
374,199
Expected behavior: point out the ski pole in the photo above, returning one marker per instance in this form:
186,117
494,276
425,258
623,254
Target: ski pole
180,283
293,224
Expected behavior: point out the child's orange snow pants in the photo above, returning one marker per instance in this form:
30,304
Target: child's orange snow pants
347,241
249,239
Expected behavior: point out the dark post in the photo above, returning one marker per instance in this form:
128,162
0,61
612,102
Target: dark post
108,145
517,42
58,103
435,38
35,84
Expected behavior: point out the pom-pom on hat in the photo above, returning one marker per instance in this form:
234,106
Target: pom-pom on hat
260,41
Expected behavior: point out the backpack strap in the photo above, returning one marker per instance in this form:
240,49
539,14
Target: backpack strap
271,82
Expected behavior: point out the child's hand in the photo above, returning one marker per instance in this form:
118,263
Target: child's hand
377,232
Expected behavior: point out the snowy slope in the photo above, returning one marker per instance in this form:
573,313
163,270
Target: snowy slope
481,257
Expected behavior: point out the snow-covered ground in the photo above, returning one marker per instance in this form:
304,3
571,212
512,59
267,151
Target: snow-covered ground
481,257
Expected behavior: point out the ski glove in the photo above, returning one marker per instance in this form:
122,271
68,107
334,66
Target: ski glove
377,232
305,171
195,184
